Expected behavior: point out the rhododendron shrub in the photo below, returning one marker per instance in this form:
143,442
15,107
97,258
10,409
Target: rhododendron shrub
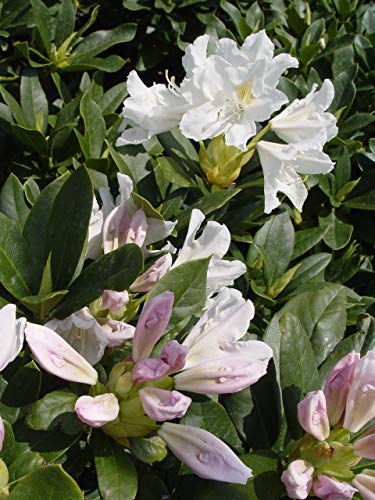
186,250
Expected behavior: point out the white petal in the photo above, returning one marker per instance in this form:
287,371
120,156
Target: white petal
11,336
257,46
158,230
134,135
313,161
277,67
239,133
195,54
125,187
95,239
223,273
228,50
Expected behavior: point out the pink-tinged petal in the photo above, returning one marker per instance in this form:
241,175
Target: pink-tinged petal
11,336
57,357
113,301
149,369
297,479
163,405
205,454
365,445
174,354
116,331
151,324
328,488
147,280
337,386
230,373
2,433
115,228
97,411
360,403
365,483
137,230
312,415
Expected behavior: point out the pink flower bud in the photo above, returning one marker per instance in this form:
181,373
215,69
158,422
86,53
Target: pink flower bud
116,331
365,483
114,300
137,230
223,375
312,415
360,404
152,322
337,386
174,354
328,488
365,445
2,434
149,369
97,411
147,280
205,454
163,405
56,356
297,479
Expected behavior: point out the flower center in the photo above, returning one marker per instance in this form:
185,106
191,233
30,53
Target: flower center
245,92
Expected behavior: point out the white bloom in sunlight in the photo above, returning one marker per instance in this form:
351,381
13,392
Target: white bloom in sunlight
282,165
119,222
306,119
214,241
12,334
232,89
83,333
150,110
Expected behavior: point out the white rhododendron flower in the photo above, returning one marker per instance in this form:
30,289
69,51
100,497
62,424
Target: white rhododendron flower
282,165
120,221
214,241
232,89
12,335
305,120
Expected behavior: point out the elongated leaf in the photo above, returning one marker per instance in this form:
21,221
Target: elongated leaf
23,388
64,22
114,271
94,127
43,22
67,227
308,269
12,201
188,283
34,102
47,482
305,240
336,234
25,463
173,172
117,476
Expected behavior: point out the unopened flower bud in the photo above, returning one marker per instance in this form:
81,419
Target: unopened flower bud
113,301
312,415
147,280
328,488
297,479
365,483
97,411
163,405
116,331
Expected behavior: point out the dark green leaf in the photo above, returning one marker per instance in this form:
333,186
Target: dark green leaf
23,388
45,413
12,201
43,22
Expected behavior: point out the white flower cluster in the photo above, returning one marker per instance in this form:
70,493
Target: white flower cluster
229,91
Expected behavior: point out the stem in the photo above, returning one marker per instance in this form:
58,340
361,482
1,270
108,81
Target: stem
253,142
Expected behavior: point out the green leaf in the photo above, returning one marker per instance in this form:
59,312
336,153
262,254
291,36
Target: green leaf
99,41
188,283
19,272
36,225
298,371
47,412
23,388
114,271
16,110
336,234
239,22
278,247
173,172
117,476
34,102
47,482
149,450
206,204
12,201
113,98
94,127
355,123
305,240
32,191
28,462
67,227
64,21
43,22
313,33
364,201
31,138
309,268
212,417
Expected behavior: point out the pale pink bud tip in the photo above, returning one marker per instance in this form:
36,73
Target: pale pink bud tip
114,300
327,488
312,415
297,479
147,280
365,445
151,325
365,482
360,404
2,433
205,454
116,331
97,411
137,230
163,405
337,386
56,356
